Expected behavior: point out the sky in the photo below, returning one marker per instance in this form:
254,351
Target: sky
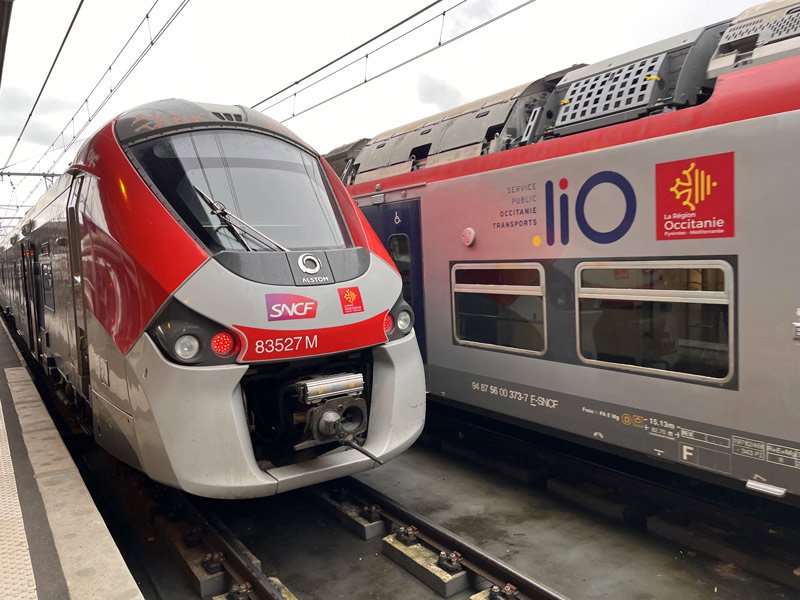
240,52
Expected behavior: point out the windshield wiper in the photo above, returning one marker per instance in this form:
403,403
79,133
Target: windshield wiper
218,209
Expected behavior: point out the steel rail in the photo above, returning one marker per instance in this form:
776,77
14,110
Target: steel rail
473,558
237,560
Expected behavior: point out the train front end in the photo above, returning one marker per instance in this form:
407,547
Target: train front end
288,356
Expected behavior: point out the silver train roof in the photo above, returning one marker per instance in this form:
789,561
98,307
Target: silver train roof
165,116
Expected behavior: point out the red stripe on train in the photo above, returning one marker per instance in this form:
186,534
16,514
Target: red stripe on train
272,344
754,92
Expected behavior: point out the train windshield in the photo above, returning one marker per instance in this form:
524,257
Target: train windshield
275,187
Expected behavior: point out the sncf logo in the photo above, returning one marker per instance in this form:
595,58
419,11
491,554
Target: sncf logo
281,307
584,194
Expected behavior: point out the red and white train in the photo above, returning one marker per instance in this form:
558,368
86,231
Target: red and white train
608,253
215,305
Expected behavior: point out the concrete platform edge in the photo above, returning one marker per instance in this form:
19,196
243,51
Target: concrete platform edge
91,562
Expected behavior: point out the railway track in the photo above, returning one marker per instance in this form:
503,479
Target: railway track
247,580
200,531
756,534
208,552
455,554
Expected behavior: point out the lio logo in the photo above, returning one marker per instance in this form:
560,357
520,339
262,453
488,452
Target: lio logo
586,228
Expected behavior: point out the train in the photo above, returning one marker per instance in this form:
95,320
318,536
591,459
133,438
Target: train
606,254
210,301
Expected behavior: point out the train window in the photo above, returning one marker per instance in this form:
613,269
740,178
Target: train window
47,286
400,251
274,186
664,317
500,306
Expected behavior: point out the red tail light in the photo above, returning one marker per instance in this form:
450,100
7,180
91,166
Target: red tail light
223,343
388,324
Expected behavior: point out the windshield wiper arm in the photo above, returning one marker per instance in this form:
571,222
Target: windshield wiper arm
218,209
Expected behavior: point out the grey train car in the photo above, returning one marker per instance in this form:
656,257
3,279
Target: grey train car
215,306
607,253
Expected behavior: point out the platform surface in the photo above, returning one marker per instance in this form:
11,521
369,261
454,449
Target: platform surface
53,542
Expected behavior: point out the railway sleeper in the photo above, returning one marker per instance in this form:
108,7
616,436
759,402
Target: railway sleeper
361,520
443,574
210,570
439,570
429,552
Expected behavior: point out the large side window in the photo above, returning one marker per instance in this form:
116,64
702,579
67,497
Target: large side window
500,306
667,316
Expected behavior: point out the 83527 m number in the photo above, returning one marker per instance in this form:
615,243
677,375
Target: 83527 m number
286,344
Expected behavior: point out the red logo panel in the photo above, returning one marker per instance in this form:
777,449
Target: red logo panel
695,198
351,300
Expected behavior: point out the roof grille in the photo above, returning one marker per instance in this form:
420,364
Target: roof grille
227,116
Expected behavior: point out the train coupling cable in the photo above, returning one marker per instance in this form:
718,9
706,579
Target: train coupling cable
347,440
332,425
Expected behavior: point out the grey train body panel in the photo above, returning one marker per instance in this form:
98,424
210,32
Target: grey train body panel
551,292
571,397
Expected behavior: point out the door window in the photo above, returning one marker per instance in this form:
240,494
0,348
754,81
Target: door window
400,251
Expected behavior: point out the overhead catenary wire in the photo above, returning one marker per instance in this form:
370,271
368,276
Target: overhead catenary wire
113,89
38,155
71,121
440,44
364,57
346,54
44,83
122,80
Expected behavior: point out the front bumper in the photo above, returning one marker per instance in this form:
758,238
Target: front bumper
191,429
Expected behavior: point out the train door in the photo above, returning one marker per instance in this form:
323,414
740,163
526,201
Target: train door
397,225
78,359
20,307
31,276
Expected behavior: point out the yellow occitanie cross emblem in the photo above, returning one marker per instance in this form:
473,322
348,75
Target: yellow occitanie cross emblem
350,296
694,188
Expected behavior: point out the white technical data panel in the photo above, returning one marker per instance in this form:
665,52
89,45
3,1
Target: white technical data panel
16,571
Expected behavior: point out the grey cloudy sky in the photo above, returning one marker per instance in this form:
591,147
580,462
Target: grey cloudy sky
240,51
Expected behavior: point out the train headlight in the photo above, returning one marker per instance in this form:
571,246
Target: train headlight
188,338
404,321
187,347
